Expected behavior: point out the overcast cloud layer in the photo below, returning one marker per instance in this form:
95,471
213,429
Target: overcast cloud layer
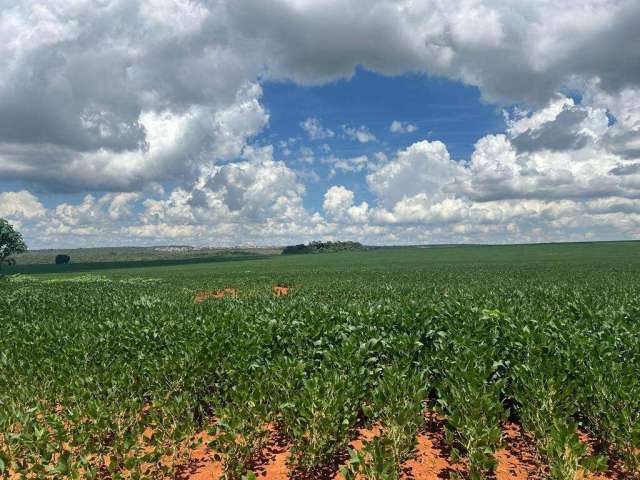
150,110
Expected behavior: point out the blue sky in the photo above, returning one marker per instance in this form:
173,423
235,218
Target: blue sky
441,109
269,122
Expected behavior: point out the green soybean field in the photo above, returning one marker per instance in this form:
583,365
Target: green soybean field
461,362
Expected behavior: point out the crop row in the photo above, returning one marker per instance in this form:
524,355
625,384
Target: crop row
112,380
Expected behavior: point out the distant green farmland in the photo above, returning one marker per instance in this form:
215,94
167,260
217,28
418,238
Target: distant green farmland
589,255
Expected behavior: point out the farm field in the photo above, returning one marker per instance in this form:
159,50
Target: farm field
103,257
458,362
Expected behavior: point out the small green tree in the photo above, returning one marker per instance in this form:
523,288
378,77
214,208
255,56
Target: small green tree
11,243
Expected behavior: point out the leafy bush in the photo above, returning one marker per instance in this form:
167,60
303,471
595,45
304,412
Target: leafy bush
62,259
11,243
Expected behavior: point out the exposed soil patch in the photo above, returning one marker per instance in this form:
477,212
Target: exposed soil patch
274,458
201,465
365,434
207,294
431,460
281,290
518,459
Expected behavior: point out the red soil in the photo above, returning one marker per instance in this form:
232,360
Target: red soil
431,460
367,434
518,459
281,290
205,295
201,465
274,458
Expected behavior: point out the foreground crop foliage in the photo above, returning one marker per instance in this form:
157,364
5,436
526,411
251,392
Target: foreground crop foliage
397,407
112,378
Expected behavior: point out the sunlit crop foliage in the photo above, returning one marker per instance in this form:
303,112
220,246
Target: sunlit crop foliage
112,376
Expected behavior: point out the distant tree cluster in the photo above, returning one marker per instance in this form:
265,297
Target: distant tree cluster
322,247
62,259
11,243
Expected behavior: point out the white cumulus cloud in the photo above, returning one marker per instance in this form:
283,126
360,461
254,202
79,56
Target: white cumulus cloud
20,205
362,134
315,130
402,127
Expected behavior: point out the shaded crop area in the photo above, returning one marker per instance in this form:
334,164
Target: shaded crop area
371,362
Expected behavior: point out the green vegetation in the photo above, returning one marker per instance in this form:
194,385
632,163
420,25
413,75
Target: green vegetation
138,254
62,259
11,243
111,375
323,247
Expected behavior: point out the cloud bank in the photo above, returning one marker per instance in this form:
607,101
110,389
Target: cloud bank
150,110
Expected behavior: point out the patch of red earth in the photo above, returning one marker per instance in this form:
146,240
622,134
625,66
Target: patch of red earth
365,434
277,469
431,460
280,290
274,458
517,460
207,294
201,464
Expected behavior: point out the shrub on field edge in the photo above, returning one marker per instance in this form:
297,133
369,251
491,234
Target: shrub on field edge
11,243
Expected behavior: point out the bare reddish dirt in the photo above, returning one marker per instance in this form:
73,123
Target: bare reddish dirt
201,465
517,460
274,458
431,460
365,434
206,295
281,290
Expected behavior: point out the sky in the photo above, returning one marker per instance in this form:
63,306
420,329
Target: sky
271,122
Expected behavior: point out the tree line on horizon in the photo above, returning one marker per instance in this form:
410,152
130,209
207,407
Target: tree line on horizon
11,243
323,247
